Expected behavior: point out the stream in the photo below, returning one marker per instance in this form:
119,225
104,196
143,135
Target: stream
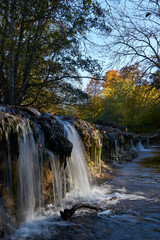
129,206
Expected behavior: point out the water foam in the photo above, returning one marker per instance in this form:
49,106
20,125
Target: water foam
140,147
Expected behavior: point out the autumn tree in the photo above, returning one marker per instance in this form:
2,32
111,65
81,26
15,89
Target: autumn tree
130,100
124,97
40,47
95,105
110,92
111,78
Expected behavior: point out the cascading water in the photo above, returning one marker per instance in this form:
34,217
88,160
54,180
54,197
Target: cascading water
27,167
116,142
114,146
76,164
59,181
29,171
21,164
140,147
133,146
75,177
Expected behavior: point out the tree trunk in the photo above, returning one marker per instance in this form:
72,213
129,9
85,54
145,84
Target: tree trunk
19,47
30,56
11,54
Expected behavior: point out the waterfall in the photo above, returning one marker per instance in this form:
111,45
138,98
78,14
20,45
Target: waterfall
72,182
76,164
59,181
140,147
116,141
29,171
133,146
75,178
28,158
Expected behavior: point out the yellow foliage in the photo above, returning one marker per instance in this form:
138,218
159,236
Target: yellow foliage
93,110
111,78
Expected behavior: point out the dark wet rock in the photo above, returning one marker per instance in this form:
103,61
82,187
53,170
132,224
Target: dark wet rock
54,138
109,124
113,144
154,139
8,221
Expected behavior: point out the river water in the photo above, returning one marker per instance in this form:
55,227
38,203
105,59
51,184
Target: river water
129,207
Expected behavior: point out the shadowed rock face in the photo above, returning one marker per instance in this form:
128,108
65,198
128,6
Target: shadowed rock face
109,124
114,143
155,139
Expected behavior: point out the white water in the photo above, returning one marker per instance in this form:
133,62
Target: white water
74,179
140,147
116,143
76,173
76,165
59,181
114,151
71,184
29,172
43,227
148,145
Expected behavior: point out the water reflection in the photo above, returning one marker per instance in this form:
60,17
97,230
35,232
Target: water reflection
152,162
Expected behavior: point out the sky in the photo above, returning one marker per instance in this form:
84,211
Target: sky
95,47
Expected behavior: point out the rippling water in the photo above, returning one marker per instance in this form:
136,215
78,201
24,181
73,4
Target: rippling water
129,208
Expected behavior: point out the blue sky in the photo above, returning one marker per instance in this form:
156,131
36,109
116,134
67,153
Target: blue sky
95,47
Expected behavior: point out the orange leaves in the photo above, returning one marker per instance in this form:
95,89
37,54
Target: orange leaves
111,77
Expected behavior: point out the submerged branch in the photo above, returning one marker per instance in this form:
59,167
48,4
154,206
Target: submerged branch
67,214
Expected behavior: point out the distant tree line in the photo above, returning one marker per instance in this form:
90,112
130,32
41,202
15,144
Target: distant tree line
124,97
